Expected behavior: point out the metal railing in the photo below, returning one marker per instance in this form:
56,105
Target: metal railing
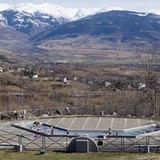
129,143
49,112
61,142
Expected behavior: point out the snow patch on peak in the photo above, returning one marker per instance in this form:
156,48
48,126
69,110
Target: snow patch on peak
77,13
140,14
111,9
58,11
4,6
55,10
47,8
154,11
83,12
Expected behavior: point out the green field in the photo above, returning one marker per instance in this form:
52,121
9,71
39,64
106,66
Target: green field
34,155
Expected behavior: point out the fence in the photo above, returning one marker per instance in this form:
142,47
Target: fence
61,142
45,112
130,144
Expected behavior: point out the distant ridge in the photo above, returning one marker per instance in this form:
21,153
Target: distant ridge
124,27
32,27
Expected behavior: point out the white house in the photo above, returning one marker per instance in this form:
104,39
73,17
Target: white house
106,84
1,69
142,86
65,80
35,76
21,69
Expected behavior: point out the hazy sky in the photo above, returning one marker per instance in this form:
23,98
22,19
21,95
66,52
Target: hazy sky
142,5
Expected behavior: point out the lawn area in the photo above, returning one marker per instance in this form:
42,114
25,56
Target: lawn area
34,155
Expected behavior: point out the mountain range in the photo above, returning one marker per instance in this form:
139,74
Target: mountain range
31,28
55,10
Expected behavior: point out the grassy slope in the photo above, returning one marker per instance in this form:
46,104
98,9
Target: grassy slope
34,155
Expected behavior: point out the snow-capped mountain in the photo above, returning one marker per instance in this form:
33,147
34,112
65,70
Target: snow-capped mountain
5,7
31,19
58,11
55,10
117,27
44,22
29,23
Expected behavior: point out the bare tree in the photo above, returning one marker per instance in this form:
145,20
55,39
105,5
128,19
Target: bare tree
149,59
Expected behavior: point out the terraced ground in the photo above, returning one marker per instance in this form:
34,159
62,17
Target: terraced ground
85,123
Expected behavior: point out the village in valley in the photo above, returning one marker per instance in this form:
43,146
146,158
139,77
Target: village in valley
92,89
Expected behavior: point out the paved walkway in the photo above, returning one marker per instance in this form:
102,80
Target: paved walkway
91,123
